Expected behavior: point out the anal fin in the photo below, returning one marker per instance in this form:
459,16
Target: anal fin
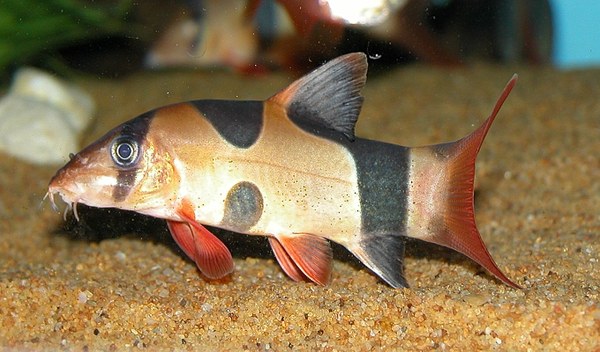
304,256
384,255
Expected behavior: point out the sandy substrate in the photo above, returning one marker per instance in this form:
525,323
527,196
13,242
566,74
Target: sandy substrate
115,281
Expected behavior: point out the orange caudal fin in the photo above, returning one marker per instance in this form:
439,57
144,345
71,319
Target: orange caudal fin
454,225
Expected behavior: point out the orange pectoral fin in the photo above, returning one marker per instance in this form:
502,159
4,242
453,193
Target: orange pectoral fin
183,236
210,254
311,254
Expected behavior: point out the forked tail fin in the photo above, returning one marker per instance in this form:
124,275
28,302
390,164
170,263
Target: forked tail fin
442,194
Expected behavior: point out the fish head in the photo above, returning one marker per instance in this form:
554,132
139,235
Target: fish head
125,169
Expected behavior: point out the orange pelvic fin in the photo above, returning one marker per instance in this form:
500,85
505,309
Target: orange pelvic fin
457,228
304,256
286,263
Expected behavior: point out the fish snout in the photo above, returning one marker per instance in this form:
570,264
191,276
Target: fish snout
64,182
58,181
58,185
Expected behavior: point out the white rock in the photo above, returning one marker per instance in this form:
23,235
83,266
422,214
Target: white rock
42,86
41,117
35,131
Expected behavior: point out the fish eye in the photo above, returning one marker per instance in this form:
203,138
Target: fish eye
124,151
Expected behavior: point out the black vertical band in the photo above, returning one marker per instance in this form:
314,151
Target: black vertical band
136,129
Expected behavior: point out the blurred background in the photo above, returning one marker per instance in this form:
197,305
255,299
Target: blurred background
577,27
113,38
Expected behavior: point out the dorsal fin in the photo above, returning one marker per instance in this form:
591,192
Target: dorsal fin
328,96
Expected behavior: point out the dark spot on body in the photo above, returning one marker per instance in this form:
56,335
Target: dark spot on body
243,207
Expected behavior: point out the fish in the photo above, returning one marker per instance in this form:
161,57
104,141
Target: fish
210,34
256,36
289,168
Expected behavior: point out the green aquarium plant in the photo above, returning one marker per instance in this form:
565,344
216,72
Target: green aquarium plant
32,31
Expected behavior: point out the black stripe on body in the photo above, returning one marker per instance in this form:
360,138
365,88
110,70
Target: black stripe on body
383,179
135,130
383,172
238,122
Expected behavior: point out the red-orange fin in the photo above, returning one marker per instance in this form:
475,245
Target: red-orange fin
210,254
286,263
183,236
311,254
457,228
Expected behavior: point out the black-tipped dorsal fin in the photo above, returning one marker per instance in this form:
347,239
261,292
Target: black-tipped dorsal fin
328,96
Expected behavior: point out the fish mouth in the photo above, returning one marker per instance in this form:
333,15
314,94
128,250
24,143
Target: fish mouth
63,184
71,205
